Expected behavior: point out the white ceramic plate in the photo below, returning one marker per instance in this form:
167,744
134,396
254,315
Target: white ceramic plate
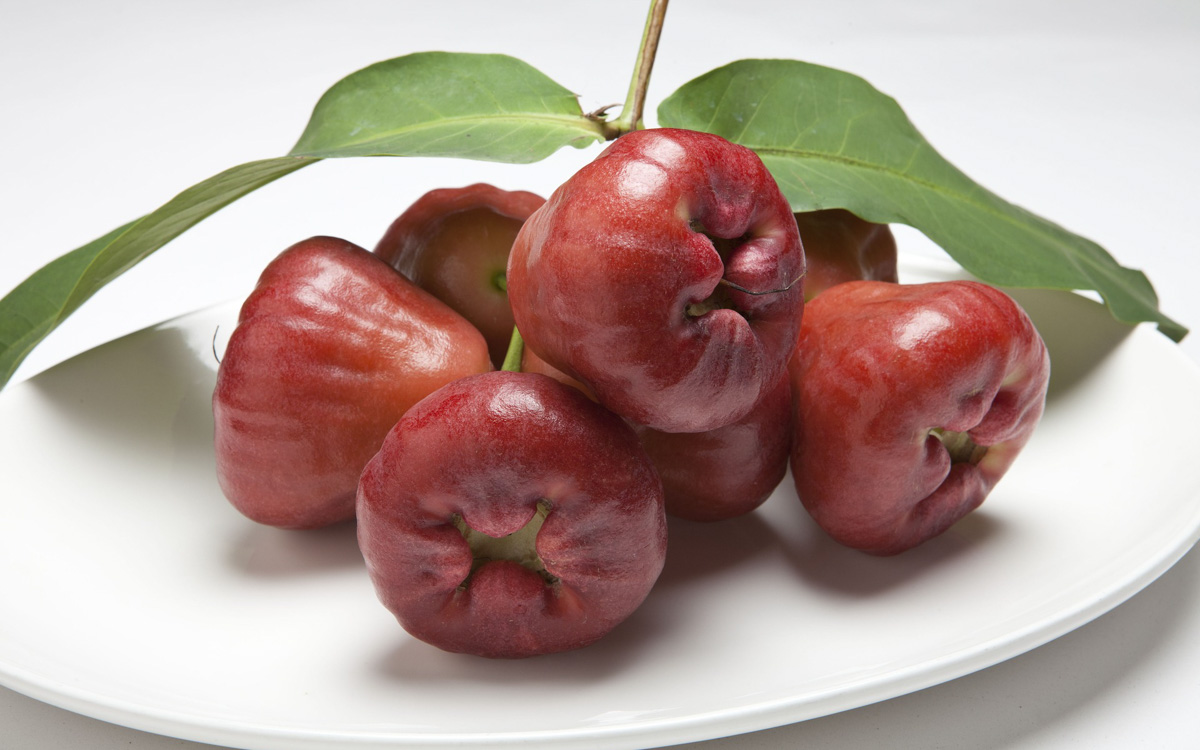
130,591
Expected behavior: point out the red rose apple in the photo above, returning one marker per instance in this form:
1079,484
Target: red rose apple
507,515
720,473
911,402
454,243
841,247
727,471
667,276
331,348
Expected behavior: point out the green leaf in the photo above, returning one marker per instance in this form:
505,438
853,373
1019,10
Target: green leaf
487,107
833,141
40,303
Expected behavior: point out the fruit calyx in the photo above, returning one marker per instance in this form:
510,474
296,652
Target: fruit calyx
720,299
500,280
520,546
960,446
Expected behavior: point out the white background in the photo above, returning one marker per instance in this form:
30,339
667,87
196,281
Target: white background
1085,112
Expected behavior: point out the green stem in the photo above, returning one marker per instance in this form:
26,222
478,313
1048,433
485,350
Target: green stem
516,350
635,100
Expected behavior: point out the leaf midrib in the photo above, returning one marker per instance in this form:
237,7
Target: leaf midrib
579,122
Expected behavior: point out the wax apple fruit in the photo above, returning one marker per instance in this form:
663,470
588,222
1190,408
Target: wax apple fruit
667,275
331,348
454,243
728,471
716,474
507,515
840,247
911,402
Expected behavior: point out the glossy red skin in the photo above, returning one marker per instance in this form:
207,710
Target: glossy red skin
728,471
841,247
488,448
601,278
718,474
454,243
331,348
878,366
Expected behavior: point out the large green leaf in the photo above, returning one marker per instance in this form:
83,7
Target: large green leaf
487,107
833,141
428,104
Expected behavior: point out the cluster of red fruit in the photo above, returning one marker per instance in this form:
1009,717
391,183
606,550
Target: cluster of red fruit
659,296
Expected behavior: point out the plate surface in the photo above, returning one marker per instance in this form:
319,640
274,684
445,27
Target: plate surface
132,592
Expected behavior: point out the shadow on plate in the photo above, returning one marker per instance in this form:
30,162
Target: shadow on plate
1079,333
410,660
782,529
148,392
697,550
821,562
267,552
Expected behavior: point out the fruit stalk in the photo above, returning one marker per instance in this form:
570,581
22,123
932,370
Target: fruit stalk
635,100
516,350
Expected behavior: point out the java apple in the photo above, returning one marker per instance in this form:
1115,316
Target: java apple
727,471
507,515
331,348
454,243
666,275
720,473
911,402
840,247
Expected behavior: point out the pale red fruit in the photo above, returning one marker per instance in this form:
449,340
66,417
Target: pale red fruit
454,243
720,473
911,402
727,471
841,247
331,348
